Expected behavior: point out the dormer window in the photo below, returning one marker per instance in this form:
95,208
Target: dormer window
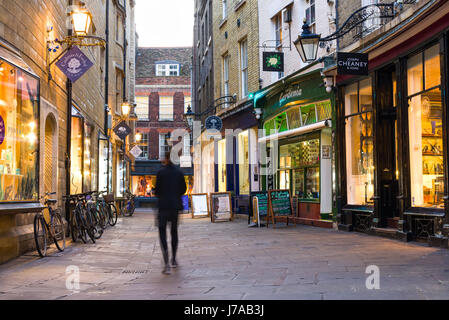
167,69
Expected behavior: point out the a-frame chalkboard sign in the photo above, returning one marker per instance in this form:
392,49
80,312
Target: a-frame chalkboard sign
280,206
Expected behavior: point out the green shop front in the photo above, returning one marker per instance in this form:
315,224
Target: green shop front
298,139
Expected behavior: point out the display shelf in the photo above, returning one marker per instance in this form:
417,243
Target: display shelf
428,135
432,154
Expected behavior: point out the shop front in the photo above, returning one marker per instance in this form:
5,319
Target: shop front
236,157
143,181
83,176
19,153
297,137
392,137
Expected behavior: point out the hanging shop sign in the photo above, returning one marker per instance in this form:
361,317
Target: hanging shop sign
122,130
136,151
200,205
74,64
185,161
273,61
214,122
352,63
2,130
221,206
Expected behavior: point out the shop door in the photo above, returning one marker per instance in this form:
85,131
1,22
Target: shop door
387,146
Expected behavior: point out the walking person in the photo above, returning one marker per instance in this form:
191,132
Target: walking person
170,186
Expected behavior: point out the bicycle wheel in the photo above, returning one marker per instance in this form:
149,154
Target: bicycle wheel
132,208
98,228
77,228
124,210
113,215
102,217
40,235
57,228
88,224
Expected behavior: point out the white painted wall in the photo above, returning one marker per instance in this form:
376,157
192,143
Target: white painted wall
324,14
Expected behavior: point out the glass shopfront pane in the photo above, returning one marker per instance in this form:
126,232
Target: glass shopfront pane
312,183
144,186
76,159
426,149
298,183
432,67
19,123
359,144
120,180
103,165
89,177
243,155
415,74
222,165
294,118
284,179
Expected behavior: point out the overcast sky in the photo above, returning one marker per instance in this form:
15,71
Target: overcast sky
164,23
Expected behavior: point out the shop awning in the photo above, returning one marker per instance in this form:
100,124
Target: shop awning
297,131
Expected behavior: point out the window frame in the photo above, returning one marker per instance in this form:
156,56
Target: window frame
244,66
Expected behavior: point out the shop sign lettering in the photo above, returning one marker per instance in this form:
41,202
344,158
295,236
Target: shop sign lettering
290,93
352,63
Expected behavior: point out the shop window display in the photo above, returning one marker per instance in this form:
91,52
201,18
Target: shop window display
301,161
243,154
145,186
76,154
18,134
89,177
222,165
426,129
359,143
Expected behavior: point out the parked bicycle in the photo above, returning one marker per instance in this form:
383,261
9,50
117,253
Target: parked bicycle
81,222
129,206
49,226
107,202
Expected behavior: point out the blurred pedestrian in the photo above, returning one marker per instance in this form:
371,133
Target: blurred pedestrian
170,186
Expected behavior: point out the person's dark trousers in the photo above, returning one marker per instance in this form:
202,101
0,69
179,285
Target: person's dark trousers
165,216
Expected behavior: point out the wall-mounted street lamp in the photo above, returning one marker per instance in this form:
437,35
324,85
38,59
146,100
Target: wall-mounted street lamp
307,43
189,116
81,24
126,109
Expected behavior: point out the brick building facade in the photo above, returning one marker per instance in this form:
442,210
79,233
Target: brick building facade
163,86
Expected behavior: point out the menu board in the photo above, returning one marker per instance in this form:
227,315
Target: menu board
262,197
200,205
221,209
280,203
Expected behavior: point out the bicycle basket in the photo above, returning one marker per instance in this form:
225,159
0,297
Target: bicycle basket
108,197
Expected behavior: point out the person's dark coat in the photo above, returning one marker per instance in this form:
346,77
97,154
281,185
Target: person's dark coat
170,187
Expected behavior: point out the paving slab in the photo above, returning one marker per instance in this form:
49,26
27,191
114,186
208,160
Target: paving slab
221,261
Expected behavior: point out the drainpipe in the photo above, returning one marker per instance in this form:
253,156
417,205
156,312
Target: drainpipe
68,136
106,89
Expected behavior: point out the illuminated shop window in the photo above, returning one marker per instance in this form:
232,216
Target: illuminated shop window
19,124
425,115
359,143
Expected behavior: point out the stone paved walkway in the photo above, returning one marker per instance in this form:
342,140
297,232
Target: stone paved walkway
231,261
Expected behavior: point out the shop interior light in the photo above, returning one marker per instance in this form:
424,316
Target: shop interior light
138,137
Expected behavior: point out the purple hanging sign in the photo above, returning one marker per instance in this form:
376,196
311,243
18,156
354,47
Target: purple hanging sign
74,64
2,130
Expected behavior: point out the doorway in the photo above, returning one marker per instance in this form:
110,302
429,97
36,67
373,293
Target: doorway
387,142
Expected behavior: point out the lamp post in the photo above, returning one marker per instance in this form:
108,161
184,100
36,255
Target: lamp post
307,43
